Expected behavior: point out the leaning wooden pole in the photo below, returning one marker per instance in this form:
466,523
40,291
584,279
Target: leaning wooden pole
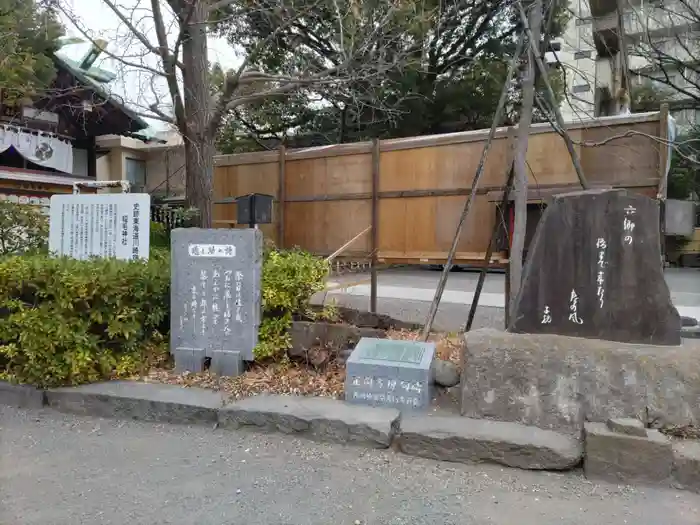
340,250
472,194
489,252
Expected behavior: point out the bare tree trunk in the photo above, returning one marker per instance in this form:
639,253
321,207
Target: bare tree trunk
521,172
199,144
199,162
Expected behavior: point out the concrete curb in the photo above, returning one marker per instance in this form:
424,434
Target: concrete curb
21,396
610,452
466,440
322,419
143,401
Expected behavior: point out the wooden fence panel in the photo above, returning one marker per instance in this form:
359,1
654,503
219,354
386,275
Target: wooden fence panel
328,176
423,183
627,161
441,167
548,160
323,227
421,229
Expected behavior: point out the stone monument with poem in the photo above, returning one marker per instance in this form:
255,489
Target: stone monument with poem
215,297
595,270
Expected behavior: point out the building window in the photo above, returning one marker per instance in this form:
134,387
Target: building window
582,54
582,88
136,174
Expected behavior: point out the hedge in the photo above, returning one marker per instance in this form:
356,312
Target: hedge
66,322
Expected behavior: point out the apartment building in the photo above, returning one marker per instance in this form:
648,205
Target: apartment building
611,46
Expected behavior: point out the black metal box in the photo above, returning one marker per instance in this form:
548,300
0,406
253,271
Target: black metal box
254,208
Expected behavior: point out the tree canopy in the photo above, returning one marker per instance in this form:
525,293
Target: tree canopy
684,176
454,66
28,37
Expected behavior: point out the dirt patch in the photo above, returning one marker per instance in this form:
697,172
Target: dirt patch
681,431
447,346
275,378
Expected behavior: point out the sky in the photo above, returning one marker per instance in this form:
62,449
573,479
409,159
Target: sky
139,88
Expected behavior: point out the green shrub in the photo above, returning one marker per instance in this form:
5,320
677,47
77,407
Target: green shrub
160,236
23,229
66,322
289,279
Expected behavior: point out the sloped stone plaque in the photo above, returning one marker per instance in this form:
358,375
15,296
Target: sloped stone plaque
215,297
382,372
594,270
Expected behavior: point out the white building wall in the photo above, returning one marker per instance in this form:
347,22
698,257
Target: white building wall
668,26
578,57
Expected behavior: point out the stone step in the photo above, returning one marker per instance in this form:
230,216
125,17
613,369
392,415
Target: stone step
690,332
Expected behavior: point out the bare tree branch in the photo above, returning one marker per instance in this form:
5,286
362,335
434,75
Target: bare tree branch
220,4
104,50
346,43
132,27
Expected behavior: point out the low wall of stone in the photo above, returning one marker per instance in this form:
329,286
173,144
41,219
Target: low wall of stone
556,382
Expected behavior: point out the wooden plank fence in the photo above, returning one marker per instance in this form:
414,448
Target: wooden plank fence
411,191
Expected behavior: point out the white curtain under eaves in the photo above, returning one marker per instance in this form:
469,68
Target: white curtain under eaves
42,148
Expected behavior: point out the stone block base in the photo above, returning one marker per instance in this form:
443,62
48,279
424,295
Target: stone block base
557,382
307,334
621,458
686,465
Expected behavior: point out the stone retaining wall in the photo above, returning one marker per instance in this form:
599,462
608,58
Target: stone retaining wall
612,452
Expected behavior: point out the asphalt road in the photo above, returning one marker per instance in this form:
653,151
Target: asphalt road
64,470
406,294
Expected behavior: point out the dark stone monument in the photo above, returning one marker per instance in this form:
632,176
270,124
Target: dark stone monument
594,270
215,298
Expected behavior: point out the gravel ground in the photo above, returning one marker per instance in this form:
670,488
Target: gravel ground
57,469
450,317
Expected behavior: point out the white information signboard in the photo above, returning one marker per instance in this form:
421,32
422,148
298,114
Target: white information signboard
109,225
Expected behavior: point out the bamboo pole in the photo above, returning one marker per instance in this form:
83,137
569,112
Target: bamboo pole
340,250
